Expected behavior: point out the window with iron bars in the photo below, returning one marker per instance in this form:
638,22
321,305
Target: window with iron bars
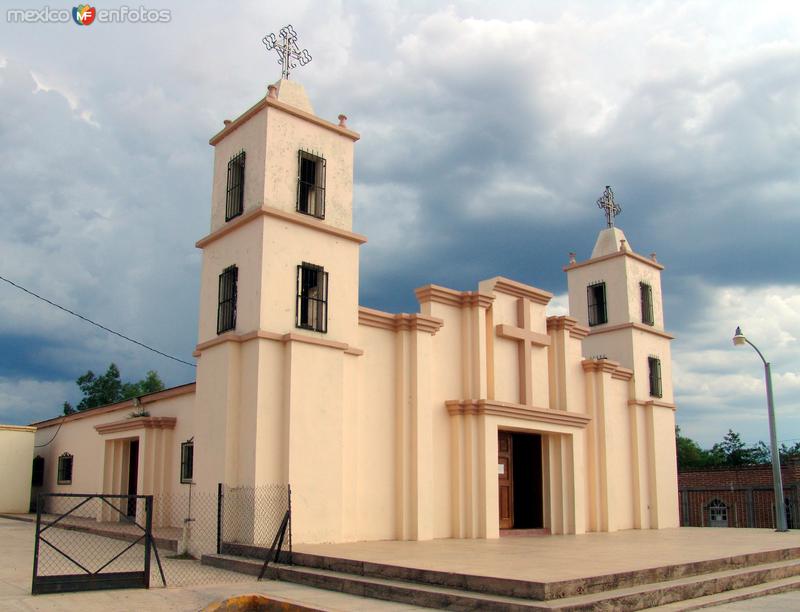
187,461
312,297
646,292
654,365
226,311
234,195
310,184
65,469
596,297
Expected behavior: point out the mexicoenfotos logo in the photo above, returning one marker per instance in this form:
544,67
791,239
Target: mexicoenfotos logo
83,14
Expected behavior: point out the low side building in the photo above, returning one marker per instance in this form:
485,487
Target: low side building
16,452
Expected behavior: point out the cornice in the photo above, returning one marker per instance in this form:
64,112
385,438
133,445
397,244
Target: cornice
657,403
452,297
126,405
510,287
275,103
632,255
23,428
607,366
559,323
137,423
291,217
518,411
275,337
398,321
593,331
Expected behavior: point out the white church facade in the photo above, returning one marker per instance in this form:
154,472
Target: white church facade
476,415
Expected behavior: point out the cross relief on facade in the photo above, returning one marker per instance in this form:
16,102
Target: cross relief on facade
527,339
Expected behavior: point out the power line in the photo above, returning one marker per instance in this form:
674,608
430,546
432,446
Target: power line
103,327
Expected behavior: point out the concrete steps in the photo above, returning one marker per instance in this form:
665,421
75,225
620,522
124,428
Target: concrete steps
684,587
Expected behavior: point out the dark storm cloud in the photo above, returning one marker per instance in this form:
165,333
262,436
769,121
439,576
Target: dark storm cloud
487,134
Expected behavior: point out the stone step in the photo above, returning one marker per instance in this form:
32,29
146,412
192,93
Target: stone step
760,590
765,576
543,590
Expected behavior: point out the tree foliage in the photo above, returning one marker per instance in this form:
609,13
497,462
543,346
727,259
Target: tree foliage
731,451
108,388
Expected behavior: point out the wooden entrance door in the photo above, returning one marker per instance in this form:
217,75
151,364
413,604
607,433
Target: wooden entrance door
505,479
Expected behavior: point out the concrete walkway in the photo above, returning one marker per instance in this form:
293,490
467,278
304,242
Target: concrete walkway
558,558
16,563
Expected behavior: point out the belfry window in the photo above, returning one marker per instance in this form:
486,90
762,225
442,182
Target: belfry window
65,469
312,297
654,364
234,193
646,293
226,310
310,184
596,297
187,461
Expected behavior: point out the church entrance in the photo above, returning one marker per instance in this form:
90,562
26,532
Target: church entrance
519,472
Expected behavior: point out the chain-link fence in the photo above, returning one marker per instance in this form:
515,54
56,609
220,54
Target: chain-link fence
94,534
251,519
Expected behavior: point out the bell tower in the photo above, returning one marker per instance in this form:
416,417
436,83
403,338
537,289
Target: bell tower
278,300
616,293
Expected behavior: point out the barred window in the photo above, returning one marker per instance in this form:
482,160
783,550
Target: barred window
187,461
310,184
226,311
37,476
646,292
312,297
234,196
654,364
596,296
65,469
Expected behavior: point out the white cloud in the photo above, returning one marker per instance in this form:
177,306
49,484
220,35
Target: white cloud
26,400
724,385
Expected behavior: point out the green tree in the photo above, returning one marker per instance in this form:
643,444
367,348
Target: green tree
732,451
689,453
108,388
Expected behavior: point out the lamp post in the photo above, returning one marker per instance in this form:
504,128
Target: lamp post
780,510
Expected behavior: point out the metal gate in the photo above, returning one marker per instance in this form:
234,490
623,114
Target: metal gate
90,542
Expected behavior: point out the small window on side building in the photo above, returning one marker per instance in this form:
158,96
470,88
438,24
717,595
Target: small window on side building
311,184
226,309
312,298
234,192
596,297
187,461
654,364
646,292
65,469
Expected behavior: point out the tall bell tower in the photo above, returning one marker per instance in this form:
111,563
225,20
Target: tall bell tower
278,301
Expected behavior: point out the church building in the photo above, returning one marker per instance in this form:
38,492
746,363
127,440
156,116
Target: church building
476,415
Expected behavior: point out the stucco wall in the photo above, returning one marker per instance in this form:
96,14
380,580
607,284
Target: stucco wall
16,457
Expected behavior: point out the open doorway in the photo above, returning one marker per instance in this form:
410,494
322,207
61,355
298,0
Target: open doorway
133,476
519,468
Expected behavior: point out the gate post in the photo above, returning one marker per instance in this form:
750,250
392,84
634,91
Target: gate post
148,526
220,496
39,503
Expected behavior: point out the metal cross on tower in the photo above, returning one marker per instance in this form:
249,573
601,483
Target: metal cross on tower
607,203
289,54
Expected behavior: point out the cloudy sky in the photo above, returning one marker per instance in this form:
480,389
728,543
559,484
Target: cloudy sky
497,121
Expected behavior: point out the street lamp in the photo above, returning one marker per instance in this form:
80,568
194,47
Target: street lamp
780,510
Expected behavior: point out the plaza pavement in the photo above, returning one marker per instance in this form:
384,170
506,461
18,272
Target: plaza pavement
16,560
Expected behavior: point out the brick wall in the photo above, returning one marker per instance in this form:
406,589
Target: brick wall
746,491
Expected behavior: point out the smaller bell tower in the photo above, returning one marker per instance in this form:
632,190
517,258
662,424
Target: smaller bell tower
616,293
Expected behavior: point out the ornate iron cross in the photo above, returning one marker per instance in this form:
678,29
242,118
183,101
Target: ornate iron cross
607,203
289,54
